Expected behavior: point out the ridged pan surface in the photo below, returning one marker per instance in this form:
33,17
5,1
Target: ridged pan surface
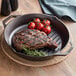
54,35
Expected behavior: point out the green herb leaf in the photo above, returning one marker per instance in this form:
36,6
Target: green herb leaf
34,52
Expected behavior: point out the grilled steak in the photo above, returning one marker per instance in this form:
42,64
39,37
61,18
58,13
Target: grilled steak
33,39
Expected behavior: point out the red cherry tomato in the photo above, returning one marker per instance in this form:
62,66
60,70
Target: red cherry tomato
47,29
36,20
46,22
39,26
31,25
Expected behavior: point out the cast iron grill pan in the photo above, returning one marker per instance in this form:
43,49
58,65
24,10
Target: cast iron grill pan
59,34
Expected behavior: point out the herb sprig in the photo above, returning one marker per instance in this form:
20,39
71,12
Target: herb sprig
34,52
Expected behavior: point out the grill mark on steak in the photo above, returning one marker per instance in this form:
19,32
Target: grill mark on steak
33,39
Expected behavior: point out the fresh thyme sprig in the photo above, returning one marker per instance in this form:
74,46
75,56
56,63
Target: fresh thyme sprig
33,52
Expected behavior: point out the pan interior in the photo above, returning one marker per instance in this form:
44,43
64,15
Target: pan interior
54,35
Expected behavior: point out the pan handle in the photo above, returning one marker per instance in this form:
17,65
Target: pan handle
6,21
64,51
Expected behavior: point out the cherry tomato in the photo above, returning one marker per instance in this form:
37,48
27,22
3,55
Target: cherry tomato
46,22
39,26
47,29
31,25
36,20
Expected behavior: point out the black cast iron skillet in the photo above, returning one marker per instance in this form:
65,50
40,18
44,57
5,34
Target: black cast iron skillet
59,33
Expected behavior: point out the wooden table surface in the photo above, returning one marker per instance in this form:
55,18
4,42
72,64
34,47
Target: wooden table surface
65,68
